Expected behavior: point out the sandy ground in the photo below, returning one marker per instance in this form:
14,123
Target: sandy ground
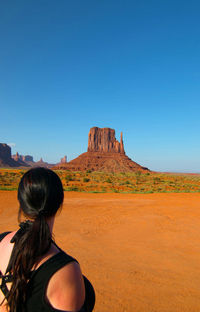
141,252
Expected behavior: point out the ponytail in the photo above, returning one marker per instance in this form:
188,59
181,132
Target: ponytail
31,242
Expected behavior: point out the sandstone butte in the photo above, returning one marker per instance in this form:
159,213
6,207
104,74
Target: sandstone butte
6,159
18,161
104,153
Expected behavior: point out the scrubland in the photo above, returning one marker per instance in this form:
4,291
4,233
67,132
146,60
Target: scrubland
101,182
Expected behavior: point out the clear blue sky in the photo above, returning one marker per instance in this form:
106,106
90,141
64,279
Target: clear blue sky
134,66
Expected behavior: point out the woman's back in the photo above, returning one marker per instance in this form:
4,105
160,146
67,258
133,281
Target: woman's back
56,282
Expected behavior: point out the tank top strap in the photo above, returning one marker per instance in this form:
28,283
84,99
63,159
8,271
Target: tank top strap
2,235
46,270
39,279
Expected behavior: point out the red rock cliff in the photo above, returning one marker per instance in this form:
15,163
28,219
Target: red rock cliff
5,151
103,140
5,156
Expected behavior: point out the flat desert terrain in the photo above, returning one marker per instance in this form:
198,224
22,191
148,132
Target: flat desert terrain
140,251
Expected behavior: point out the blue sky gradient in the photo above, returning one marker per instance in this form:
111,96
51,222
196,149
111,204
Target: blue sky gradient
66,66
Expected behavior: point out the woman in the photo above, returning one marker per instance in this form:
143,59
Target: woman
35,274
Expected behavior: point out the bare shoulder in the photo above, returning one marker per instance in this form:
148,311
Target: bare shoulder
5,250
66,290
7,239
5,244
3,308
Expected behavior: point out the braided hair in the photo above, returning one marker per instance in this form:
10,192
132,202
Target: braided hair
40,195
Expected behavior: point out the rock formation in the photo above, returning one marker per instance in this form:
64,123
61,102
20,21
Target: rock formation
5,157
17,160
25,161
5,151
16,157
42,163
103,140
104,153
27,158
63,160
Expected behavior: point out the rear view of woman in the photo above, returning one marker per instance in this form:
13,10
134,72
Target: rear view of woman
35,274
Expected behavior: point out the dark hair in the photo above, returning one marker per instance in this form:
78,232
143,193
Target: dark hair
40,195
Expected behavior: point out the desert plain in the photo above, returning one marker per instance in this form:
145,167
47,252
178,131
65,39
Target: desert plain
140,251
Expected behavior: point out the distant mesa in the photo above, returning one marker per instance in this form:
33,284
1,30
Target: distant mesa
41,163
7,160
63,160
25,158
104,153
22,160
5,157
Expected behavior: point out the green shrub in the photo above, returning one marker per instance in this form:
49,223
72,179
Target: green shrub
86,179
68,178
72,189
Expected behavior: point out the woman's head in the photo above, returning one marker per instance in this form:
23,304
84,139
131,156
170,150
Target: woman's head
40,193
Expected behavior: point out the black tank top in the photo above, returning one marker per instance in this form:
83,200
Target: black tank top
38,282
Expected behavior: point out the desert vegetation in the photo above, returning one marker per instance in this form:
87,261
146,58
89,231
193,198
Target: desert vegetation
102,182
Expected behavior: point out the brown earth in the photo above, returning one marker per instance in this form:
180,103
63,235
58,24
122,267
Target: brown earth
141,252
104,162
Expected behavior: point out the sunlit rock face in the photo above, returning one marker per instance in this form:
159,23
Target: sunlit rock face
104,153
103,140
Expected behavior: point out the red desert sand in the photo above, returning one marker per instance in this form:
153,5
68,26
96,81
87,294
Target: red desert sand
141,252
